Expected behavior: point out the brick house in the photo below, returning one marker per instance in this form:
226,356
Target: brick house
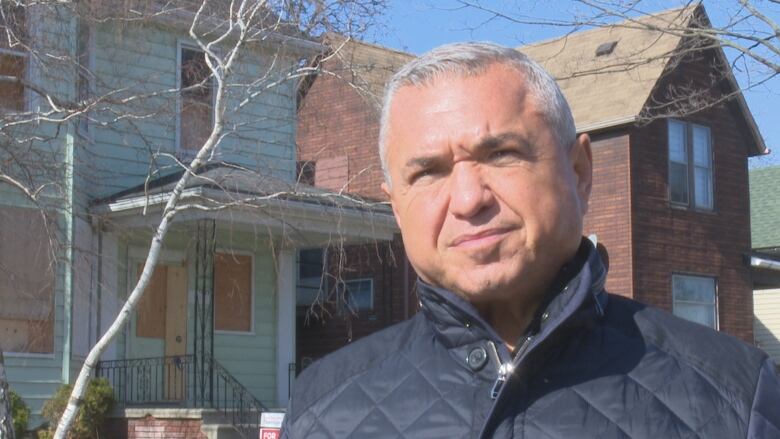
670,196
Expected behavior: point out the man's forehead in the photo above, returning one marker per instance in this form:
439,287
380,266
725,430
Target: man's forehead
473,106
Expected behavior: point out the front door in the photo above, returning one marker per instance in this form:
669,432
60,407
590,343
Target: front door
162,314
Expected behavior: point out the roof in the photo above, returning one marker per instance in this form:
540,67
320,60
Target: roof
602,91
765,208
611,89
226,183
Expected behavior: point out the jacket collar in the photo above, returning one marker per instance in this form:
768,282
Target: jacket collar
576,297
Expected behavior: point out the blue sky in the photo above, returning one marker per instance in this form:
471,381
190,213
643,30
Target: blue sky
419,25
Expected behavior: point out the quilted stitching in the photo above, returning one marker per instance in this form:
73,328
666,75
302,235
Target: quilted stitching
608,382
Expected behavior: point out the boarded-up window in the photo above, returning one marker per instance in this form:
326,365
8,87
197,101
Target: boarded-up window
196,100
232,292
26,281
13,57
151,308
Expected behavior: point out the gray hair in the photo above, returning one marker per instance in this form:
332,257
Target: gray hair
473,59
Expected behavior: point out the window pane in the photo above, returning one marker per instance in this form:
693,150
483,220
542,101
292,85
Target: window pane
703,314
359,294
701,146
694,299
195,124
26,281
678,182
694,289
311,265
678,151
12,93
196,105
232,292
703,187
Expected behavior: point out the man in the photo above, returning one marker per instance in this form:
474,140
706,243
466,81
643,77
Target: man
517,337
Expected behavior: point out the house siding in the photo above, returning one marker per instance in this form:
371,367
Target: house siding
142,58
36,376
767,321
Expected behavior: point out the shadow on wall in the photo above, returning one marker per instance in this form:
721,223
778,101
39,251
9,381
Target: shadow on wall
767,341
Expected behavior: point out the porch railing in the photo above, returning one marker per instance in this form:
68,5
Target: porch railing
181,381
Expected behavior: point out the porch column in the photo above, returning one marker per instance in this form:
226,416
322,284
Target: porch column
285,318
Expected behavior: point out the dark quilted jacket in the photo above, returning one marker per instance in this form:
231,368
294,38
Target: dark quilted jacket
593,366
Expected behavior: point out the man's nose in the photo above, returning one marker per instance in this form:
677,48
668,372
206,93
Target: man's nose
469,193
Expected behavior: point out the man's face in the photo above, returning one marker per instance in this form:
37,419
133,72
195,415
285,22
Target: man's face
488,204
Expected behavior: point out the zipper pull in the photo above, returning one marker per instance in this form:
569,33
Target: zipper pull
504,370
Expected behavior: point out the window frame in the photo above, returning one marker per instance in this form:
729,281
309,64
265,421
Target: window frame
252,291
690,167
716,301
187,153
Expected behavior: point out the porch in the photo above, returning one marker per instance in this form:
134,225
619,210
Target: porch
216,327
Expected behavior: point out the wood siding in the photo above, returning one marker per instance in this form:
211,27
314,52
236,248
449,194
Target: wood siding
766,304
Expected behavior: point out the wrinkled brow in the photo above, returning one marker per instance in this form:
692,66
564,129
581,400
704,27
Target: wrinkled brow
485,145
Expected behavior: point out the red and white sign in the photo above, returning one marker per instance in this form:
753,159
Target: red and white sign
271,425
270,433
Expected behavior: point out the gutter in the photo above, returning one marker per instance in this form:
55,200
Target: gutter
606,124
769,264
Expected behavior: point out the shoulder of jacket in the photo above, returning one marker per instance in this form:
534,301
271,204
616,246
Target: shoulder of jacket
719,357
349,362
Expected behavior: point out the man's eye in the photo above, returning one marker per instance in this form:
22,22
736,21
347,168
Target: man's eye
503,154
422,174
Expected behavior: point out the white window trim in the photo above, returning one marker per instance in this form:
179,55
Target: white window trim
252,291
691,204
716,304
183,153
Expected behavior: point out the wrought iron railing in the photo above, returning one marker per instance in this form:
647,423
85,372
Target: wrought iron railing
183,381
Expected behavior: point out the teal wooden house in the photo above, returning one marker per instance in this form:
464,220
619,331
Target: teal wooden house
215,329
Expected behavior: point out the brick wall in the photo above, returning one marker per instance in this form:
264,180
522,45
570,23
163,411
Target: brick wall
335,121
673,240
150,427
610,206
382,262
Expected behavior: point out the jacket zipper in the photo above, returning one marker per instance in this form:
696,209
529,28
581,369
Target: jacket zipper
505,369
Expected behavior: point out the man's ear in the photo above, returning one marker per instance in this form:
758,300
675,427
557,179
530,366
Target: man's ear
581,159
386,190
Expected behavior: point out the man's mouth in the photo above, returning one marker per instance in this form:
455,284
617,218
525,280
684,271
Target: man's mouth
481,238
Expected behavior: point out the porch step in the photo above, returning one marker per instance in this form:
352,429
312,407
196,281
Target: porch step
220,431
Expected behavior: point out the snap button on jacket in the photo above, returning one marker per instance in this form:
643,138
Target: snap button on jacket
593,365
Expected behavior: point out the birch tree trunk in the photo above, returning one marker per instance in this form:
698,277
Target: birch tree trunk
6,420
